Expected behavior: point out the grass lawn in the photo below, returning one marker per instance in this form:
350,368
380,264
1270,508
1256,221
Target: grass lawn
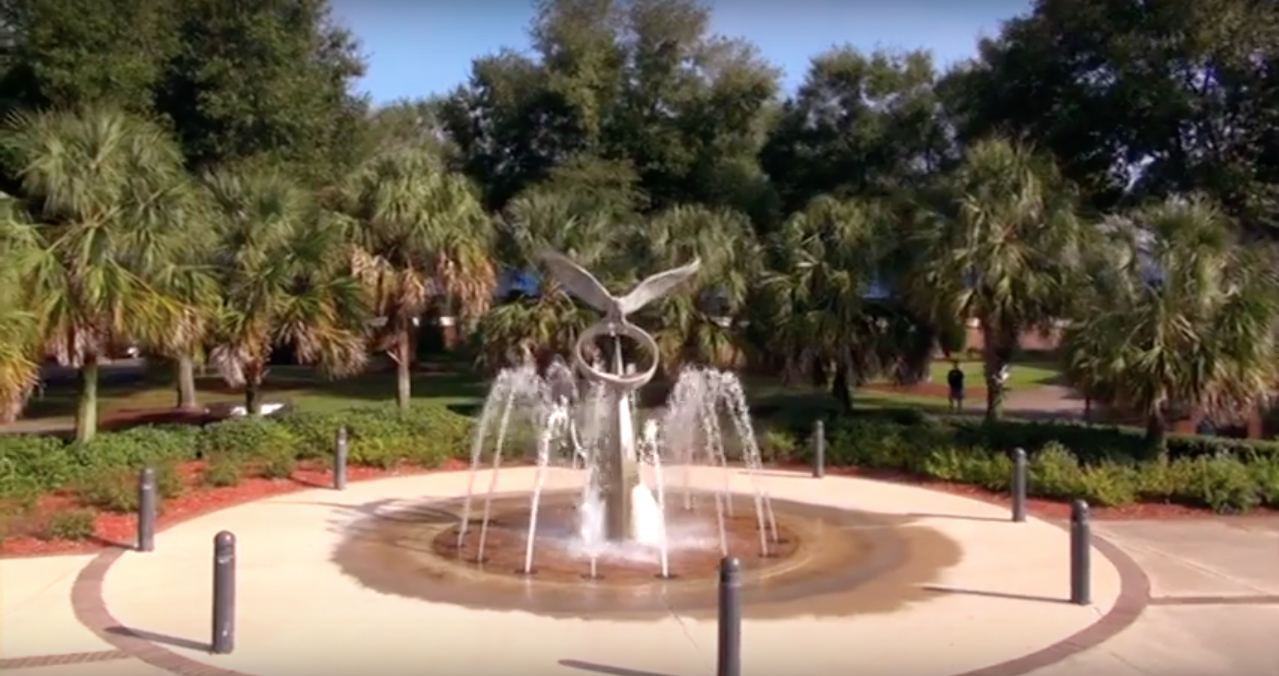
1022,374
297,385
455,387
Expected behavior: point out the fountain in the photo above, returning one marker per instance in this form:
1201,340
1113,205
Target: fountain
622,515
619,512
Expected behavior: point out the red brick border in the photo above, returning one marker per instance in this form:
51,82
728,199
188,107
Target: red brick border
1248,600
1134,595
91,610
63,659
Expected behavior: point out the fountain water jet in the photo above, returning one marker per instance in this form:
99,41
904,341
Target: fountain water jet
621,516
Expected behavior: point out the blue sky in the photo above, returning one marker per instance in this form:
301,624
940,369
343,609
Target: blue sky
425,47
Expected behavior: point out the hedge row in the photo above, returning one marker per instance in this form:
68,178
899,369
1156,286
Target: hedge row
1105,465
1108,466
380,436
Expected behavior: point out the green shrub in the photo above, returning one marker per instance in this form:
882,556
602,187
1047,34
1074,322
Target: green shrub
1265,474
277,461
115,489
138,447
247,437
381,453
1108,484
30,463
223,470
781,445
1222,483
315,432
72,524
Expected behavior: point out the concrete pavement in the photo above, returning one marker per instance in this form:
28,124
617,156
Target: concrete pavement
1214,607
297,613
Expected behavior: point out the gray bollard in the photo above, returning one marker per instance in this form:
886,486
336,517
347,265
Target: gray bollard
729,657
146,510
339,460
819,450
223,593
1019,485
1080,554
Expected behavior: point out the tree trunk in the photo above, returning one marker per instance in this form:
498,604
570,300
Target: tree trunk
839,388
1157,432
404,370
187,399
991,366
86,418
253,396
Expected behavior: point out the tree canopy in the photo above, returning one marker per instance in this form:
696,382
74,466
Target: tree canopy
203,178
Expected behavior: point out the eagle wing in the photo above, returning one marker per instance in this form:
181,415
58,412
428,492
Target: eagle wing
656,286
579,282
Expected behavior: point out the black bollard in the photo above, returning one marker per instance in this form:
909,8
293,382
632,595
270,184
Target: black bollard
819,450
729,659
339,461
1080,554
1019,485
223,593
146,510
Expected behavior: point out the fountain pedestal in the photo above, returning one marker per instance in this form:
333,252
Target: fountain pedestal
618,463
618,480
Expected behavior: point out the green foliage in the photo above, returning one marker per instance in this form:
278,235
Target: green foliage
104,472
115,489
1105,466
780,445
223,470
72,524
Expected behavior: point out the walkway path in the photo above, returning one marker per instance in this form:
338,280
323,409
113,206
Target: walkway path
1044,401
298,614
1214,607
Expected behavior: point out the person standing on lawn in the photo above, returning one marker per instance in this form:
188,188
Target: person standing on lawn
955,379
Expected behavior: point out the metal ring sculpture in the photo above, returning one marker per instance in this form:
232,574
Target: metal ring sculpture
588,289
622,381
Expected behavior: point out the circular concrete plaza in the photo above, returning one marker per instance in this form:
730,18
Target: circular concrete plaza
992,602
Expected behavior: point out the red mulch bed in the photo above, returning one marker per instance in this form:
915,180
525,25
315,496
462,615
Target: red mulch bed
120,530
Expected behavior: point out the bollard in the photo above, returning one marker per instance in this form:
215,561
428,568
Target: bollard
1019,485
223,593
819,450
146,510
1080,554
729,658
339,461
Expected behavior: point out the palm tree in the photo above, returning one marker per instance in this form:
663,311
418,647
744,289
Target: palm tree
823,263
19,326
1187,318
285,280
190,279
420,235
102,186
695,323
550,320
1001,246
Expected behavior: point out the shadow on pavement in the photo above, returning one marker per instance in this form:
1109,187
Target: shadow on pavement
160,639
994,594
606,669
960,517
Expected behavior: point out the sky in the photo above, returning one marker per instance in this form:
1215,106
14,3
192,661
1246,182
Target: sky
420,48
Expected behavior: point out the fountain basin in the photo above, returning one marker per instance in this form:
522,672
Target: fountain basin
821,566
